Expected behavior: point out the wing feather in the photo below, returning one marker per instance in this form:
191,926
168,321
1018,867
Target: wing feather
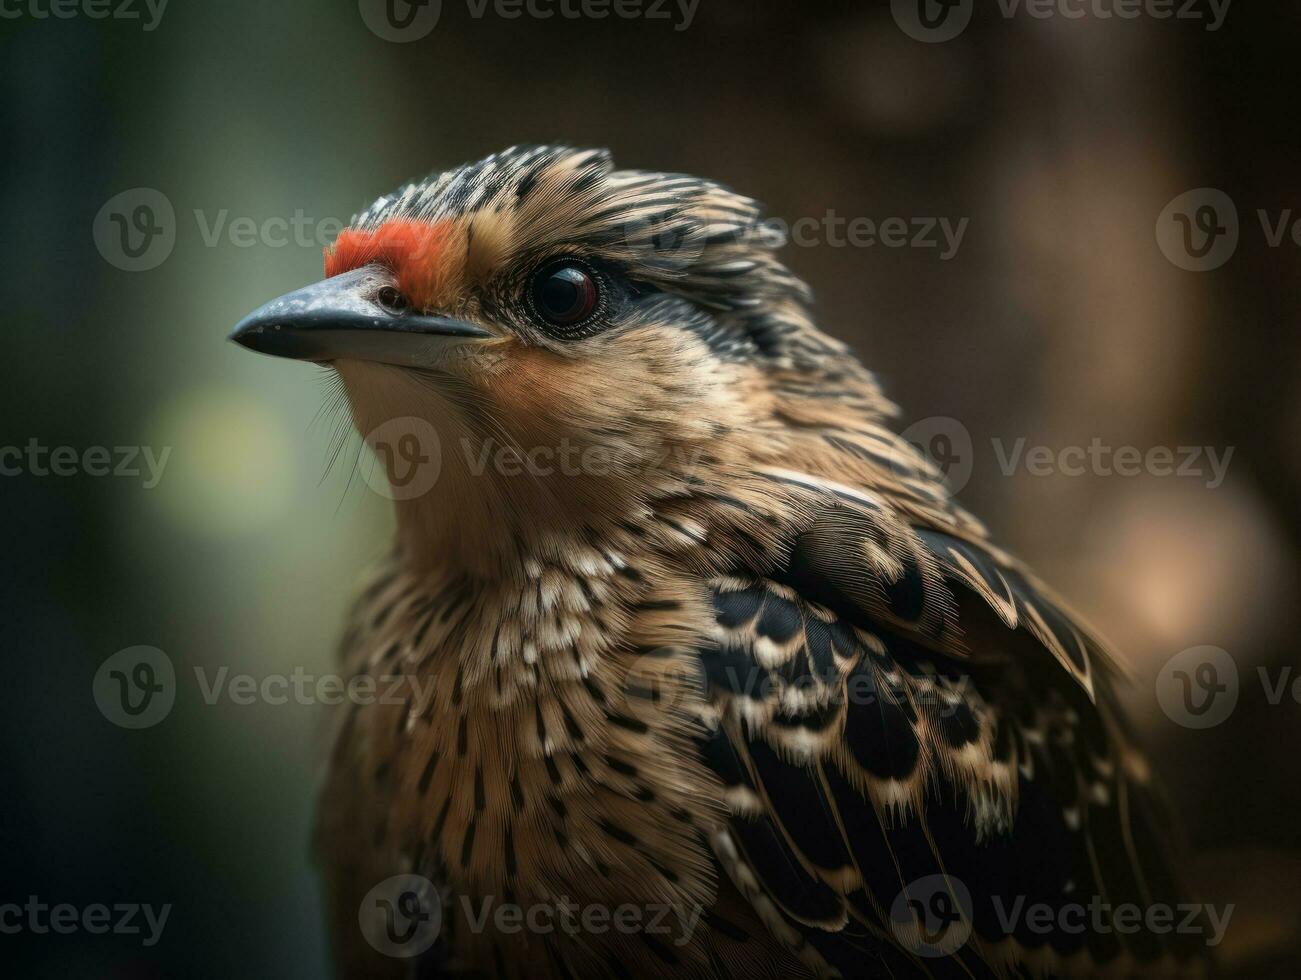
900,707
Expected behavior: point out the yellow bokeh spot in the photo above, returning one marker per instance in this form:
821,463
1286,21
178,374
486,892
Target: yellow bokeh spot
232,467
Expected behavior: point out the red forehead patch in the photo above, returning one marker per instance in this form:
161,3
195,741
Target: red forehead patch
418,252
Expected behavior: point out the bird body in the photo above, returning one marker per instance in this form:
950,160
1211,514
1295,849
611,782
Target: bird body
745,669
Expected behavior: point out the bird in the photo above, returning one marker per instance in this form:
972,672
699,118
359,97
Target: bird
689,634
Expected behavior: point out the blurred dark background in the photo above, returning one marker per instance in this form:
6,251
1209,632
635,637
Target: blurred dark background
1059,320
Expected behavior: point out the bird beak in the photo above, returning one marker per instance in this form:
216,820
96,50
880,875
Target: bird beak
339,318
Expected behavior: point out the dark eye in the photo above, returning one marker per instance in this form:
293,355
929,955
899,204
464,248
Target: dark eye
391,299
565,293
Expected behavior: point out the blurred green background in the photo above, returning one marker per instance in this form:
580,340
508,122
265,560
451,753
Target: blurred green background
1059,320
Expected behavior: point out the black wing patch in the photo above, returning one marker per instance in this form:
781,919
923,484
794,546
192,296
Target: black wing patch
936,587
875,787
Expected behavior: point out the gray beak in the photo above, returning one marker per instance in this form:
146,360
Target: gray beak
339,318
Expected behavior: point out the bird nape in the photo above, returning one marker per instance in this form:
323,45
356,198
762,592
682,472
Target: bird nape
694,667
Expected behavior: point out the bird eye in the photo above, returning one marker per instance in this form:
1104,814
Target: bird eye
391,299
565,293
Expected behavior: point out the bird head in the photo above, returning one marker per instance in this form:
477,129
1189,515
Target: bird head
583,340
